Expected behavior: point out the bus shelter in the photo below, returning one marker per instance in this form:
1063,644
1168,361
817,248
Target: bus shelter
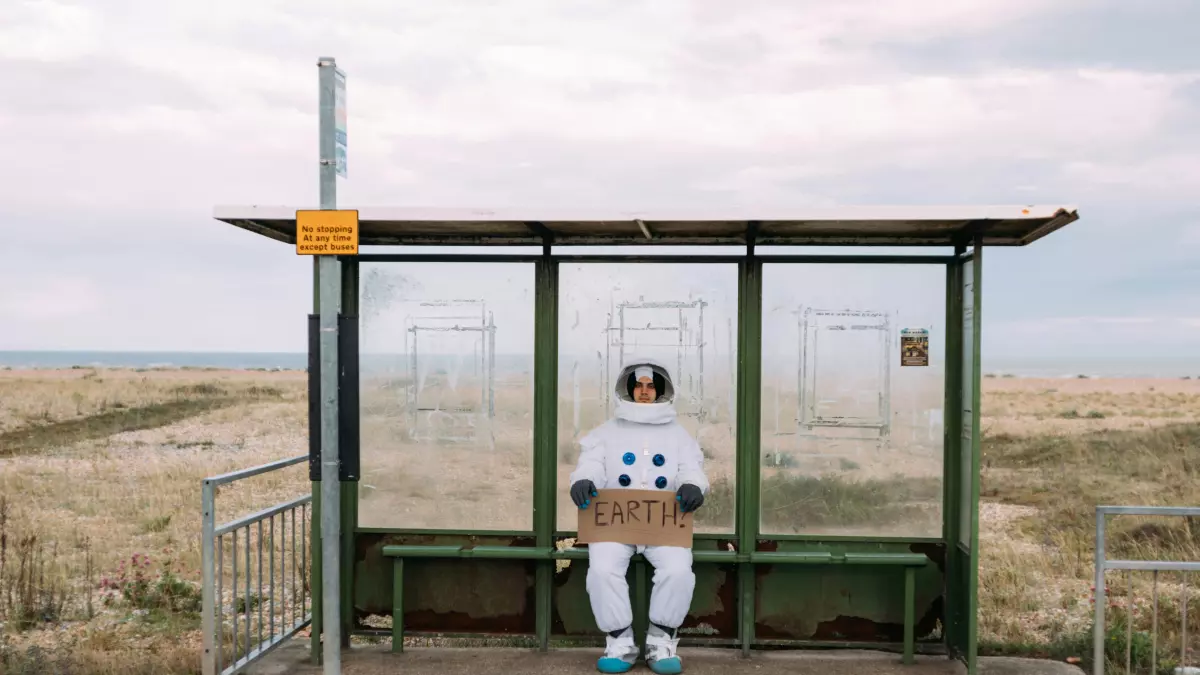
833,389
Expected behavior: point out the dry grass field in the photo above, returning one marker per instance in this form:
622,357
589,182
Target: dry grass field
97,466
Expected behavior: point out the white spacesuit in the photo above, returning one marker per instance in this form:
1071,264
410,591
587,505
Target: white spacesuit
644,447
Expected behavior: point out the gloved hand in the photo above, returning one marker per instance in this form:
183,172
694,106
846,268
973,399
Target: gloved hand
582,492
689,497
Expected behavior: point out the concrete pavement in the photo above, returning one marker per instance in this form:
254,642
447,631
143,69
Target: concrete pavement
292,659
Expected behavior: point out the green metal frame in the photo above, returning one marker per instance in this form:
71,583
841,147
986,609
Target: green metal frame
349,489
956,576
545,424
963,395
318,617
749,457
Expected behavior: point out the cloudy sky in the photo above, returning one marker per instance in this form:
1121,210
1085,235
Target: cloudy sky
126,121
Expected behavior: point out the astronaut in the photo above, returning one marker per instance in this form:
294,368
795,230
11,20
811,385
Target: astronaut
644,447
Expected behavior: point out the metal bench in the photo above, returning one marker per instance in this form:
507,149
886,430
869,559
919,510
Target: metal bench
909,561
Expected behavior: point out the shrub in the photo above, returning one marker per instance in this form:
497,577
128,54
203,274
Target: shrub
134,585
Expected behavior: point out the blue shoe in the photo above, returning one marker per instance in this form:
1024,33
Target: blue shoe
662,655
619,655
609,664
668,666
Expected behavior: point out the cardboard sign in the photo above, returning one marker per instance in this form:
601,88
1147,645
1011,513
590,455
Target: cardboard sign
650,517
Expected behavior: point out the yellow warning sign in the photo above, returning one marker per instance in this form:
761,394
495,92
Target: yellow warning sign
327,232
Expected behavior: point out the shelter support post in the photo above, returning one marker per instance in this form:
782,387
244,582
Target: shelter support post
972,350
951,458
962,451
545,429
348,437
749,377
314,467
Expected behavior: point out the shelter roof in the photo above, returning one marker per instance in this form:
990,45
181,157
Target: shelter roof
1014,225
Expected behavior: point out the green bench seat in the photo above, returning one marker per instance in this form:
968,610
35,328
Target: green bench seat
398,553
909,561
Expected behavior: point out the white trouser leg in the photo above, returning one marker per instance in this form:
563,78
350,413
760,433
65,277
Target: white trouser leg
606,585
674,582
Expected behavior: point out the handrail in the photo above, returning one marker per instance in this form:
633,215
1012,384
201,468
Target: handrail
253,471
1148,510
1103,564
261,515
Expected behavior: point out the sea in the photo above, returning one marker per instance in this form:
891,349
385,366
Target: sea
1052,367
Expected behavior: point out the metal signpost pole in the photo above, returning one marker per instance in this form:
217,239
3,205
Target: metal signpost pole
332,163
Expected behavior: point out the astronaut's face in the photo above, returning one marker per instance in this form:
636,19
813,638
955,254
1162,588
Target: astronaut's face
643,390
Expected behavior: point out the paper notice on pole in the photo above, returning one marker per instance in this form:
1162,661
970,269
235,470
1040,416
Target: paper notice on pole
650,517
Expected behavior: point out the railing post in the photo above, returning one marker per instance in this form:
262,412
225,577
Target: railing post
212,573
208,593
1100,597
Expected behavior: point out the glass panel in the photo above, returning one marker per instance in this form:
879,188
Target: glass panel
446,395
682,315
852,399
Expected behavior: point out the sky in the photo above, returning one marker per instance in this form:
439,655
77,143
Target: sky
126,121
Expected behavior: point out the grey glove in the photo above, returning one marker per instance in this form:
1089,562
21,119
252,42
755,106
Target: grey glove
689,497
582,492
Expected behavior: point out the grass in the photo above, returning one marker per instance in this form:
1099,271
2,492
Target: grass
98,466
795,502
28,595
1065,477
110,649
1036,573
1077,648
157,524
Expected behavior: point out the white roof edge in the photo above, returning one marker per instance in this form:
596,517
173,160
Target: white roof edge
549,215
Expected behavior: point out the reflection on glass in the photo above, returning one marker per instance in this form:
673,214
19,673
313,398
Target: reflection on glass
446,388
683,316
852,399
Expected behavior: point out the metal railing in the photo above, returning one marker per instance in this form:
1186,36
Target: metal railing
277,556
1103,564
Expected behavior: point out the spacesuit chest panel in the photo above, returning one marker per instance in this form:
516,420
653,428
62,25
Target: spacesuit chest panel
642,458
